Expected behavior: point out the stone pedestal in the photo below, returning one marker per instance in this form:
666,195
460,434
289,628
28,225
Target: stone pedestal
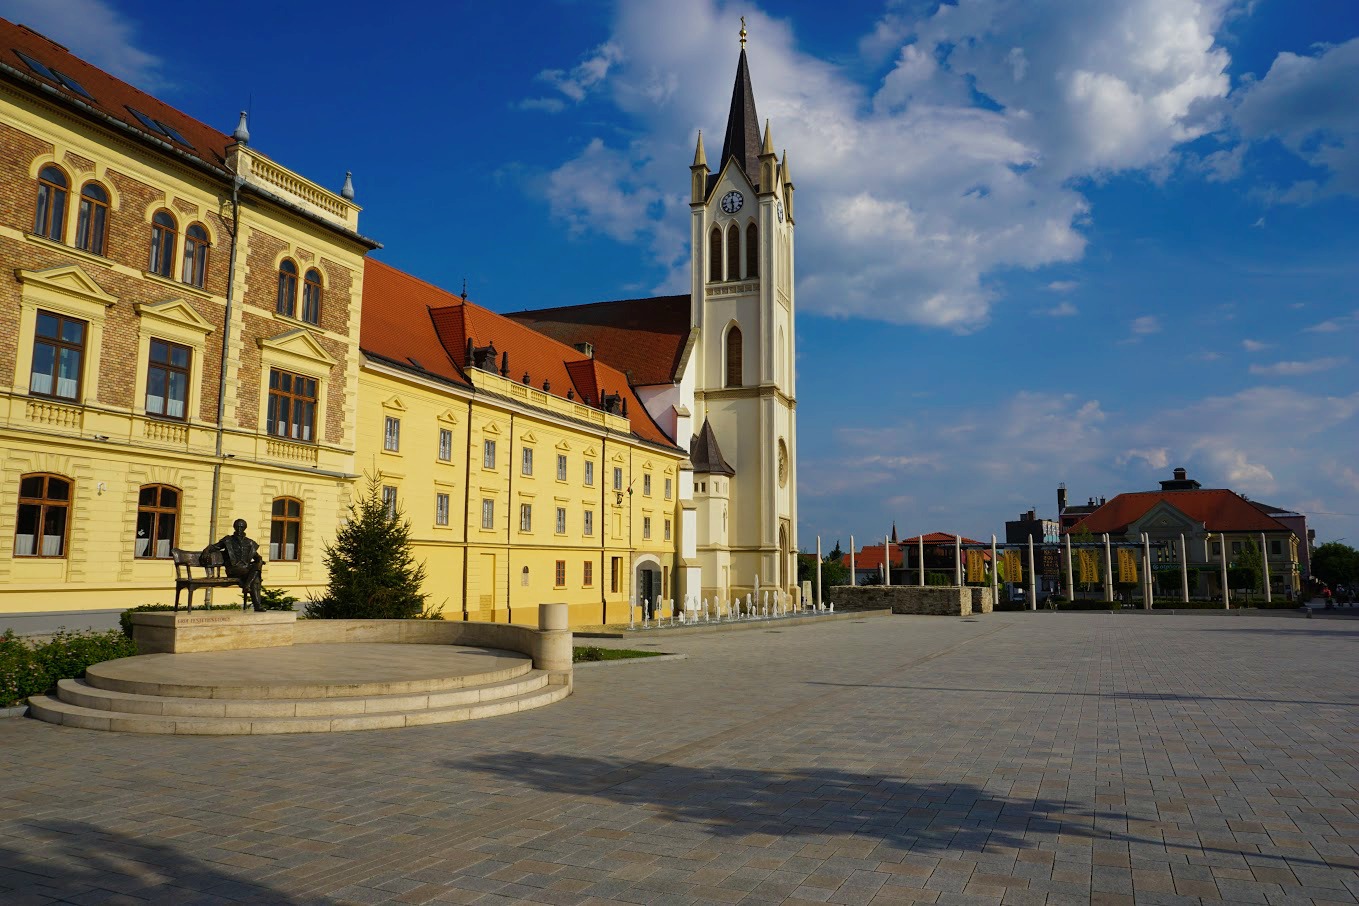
552,643
158,632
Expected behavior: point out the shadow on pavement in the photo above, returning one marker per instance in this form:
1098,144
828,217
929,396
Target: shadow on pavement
1170,697
84,863
736,802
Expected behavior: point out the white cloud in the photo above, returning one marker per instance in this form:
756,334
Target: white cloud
1255,345
1335,325
1155,457
956,190
1060,310
584,77
1308,104
1146,324
1293,369
1063,286
93,30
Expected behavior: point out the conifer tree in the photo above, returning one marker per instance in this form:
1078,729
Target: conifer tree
372,573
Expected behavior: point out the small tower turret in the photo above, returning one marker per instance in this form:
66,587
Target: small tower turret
698,173
768,162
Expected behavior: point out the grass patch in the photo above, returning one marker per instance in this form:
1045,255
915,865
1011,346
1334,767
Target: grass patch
582,653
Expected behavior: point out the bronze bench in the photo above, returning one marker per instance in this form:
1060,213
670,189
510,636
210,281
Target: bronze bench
213,565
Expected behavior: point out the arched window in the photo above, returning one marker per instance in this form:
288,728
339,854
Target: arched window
715,255
164,233
285,529
44,515
50,220
157,520
752,251
733,252
287,288
311,297
195,255
92,222
734,356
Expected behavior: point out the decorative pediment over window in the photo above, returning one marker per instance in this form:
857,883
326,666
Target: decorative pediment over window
618,457
70,280
591,451
564,446
394,403
529,438
1161,519
447,417
491,428
176,312
298,343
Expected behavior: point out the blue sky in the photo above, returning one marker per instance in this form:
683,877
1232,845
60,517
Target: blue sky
1038,242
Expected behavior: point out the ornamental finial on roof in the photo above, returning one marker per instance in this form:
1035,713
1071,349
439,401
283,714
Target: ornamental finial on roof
242,134
743,32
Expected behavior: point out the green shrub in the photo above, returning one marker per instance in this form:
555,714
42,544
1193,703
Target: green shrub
27,669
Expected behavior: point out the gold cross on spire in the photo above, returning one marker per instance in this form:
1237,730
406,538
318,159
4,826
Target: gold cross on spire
743,32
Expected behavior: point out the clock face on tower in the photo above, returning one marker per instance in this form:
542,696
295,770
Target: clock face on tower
732,201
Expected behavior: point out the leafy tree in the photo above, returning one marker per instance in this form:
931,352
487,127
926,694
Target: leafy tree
1336,564
1248,568
372,573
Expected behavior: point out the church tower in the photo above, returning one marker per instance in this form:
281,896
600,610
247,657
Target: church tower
744,452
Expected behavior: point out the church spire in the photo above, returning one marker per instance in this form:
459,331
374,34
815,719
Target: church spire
742,140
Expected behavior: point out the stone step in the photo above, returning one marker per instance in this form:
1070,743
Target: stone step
145,675
82,694
52,709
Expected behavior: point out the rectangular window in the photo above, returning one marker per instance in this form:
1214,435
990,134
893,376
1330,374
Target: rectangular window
589,522
1276,547
167,380
445,445
559,575
646,485
1236,548
441,509
487,513
527,466
391,435
561,467
525,517
488,454
1217,548
58,357
667,530
617,478
587,574
615,573
157,520
561,520
292,406
667,489
646,528
589,474
389,500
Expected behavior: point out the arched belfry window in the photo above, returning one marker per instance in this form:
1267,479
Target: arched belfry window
734,357
715,255
733,252
752,251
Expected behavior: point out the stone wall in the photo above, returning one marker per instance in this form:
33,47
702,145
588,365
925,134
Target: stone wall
932,599
983,601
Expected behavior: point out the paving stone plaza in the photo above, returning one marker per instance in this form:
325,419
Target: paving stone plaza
1011,758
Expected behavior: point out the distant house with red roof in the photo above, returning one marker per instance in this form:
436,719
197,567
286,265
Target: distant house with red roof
1203,517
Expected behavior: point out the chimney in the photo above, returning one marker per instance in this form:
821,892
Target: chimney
1101,501
1031,515
1181,474
1061,498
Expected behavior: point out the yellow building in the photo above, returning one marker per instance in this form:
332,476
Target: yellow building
529,470
178,341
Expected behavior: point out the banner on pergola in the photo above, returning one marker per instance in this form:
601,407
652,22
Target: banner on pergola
1127,566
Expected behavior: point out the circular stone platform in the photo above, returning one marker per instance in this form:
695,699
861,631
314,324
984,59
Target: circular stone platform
309,671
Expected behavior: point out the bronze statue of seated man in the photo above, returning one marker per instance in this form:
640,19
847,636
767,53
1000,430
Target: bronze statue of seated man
243,561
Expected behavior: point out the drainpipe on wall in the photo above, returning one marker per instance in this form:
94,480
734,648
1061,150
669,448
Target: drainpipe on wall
509,527
603,520
467,509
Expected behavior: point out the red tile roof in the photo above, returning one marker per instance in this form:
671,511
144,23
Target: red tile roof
108,95
643,338
1220,510
941,538
419,327
870,557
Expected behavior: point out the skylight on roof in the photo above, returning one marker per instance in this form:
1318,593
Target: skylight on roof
36,66
170,131
72,84
146,121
